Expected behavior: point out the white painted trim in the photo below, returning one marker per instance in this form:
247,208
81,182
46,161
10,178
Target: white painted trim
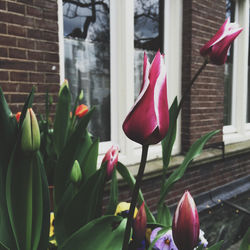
238,132
61,40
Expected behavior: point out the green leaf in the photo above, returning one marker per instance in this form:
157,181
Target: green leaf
194,151
3,247
168,142
158,236
245,244
61,124
131,182
105,232
24,199
164,216
113,200
88,165
68,156
216,246
86,204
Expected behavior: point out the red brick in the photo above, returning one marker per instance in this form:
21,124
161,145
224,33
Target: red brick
17,53
19,76
34,11
2,5
17,8
3,28
16,30
47,46
25,43
3,52
36,77
35,55
51,57
35,33
52,78
47,67
4,76
18,65
46,25
7,41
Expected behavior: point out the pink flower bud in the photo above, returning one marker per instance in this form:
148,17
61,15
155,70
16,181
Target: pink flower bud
186,226
140,224
111,157
216,49
147,123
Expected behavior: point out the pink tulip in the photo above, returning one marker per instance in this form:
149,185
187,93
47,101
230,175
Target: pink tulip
140,224
147,122
217,48
111,157
186,226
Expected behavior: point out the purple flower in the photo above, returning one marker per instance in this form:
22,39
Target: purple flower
147,123
216,49
165,242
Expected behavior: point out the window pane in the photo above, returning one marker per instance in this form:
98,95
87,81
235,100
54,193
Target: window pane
148,35
228,73
87,58
248,92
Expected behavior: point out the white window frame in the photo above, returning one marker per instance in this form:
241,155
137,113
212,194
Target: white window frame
122,71
239,130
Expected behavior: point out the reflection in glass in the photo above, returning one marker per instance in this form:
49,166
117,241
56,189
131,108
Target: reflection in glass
248,90
148,34
87,58
228,72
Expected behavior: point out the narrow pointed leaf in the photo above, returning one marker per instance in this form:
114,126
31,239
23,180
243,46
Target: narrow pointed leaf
216,246
113,199
164,216
123,171
245,244
194,151
168,142
105,232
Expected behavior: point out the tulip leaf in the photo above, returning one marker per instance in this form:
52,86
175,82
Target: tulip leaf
216,246
158,236
105,232
3,247
89,163
8,135
86,204
24,199
61,124
194,151
67,158
123,171
168,142
164,216
113,199
245,244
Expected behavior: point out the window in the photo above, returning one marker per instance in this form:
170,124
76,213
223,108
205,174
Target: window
100,56
238,127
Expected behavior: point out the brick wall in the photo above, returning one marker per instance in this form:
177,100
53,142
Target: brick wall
203,109
29,54
197,179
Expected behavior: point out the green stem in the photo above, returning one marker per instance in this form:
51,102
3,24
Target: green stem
190,85
135,197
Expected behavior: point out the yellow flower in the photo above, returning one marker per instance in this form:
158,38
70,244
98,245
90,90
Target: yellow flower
123,208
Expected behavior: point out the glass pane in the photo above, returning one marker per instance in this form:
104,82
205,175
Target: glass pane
87,58
248,91
228,73
148,35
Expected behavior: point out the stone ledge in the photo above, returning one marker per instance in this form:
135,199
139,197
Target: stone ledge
209,155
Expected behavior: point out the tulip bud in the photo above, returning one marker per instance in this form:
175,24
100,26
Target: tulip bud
217,48
81,110
18,114
81,95
111,157
140,224
30,139
76,173
65,83
186,226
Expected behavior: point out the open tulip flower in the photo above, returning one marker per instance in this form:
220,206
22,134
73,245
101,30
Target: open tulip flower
111,157
216,49
147,122
186,226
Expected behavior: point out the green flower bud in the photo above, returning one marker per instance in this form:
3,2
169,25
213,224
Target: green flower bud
30,139
76,173
81,95
65,83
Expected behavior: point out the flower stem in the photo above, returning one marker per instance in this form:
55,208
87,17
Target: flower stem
135,197
191,84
